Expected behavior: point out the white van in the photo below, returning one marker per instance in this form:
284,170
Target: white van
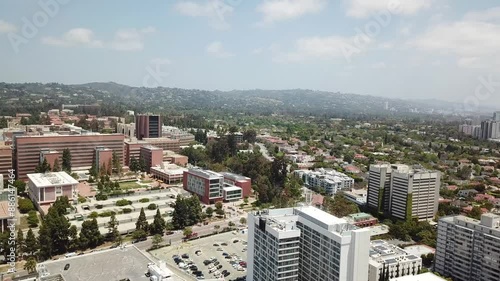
69,255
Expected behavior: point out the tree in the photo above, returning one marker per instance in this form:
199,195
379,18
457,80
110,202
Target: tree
278,171
56,167
66,160
113,232
117,166
158,225
24,121
109,168
74,242
20,186
339,206
250,135
45,242
134,165
43,167
187,231
209,211
90,236
475,213
30,243
142,222
20,246
30,265
3,123
187,212
427,259
243,220
218,209
217,227
157,240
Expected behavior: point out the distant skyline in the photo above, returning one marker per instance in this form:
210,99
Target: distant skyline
409,49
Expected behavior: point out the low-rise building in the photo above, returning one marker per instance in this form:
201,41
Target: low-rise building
361,219
390,261
45,188
428,276
328,179
168,173
152,156
245,183
210,186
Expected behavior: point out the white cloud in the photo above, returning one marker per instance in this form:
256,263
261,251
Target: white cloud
217,50
281,10
469,41
257,51
366,8
406,30
379,65
215,11
470,62
386,45
330,47
131,39
74,37
492,14
6,27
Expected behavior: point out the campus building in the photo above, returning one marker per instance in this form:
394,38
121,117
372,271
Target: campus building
45,188
27,149
164,143
469,249
152,156
5,160
211,186
168,173
330,180
148,126
132,149
305,243
403,192
243,182
391,261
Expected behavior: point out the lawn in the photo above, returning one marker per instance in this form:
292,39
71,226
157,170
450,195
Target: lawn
129,185
146,181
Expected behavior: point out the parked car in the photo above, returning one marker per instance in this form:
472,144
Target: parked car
185,256
66,267
207,262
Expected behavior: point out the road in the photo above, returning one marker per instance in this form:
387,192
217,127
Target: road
201,230
264,151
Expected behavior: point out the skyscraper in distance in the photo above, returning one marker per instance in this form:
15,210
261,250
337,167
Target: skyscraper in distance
148,126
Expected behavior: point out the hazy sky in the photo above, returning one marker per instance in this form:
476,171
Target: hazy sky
396,48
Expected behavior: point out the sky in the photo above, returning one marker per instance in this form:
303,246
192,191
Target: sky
440,49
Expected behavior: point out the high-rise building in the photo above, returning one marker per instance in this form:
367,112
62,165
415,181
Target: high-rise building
148,126
27,149
496,116
305,243
468,249
414,194
402,192
5,160
490,129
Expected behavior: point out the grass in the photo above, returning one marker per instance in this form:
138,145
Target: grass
129,185
24,222
146,181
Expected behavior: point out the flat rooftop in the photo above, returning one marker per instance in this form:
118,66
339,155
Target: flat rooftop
51,179
234,177
421,277
205,173
321,215
106,265
383,252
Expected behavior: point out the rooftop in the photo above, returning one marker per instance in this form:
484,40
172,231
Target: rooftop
205,173
51,179
234,177
420,277
383,252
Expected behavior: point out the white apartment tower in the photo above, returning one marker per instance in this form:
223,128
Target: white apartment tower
468,249
403,192
305,243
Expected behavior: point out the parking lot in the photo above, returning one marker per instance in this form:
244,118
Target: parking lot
214,248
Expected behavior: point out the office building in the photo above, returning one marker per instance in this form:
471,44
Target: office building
414,194
210,186
165,143
391,261
148,126
469,249
126,129
403,192
496,116
27,149
175,158
305,243
330,180
132,149
152,156
168,173
5,160
244,183
45,188
103,157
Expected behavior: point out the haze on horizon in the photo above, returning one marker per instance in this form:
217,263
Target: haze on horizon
439,49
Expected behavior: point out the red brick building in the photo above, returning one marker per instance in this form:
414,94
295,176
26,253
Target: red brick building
148,126
152,156
5,160
240,181
44,189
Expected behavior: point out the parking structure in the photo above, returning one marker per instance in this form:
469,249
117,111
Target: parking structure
192,257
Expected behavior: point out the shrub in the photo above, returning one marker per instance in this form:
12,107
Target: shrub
101,197
123,202
127,210
93,215
152,206
25,205
81,199
144,200
107,214
98,206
